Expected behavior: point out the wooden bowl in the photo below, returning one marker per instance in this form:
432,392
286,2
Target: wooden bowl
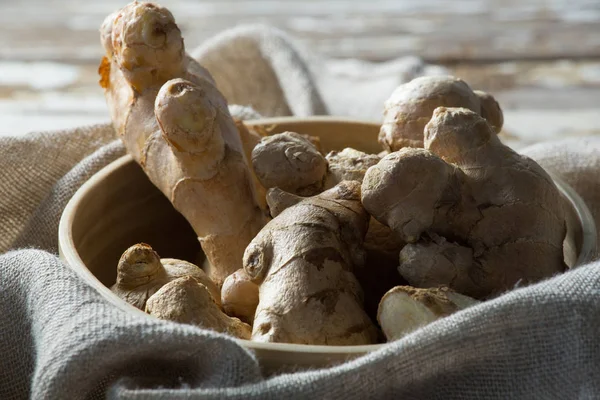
119,207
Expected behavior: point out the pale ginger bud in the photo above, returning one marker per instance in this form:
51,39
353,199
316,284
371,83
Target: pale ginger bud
187,301
405,309
239,296
141,273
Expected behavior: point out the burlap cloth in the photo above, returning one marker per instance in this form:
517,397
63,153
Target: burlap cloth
60,340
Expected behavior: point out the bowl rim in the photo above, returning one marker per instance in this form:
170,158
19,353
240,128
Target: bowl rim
70,256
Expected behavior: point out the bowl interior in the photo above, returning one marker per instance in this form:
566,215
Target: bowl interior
119,207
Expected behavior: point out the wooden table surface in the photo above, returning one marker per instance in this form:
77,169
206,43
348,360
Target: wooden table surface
540,58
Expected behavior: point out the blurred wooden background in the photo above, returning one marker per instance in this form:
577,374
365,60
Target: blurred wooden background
540,58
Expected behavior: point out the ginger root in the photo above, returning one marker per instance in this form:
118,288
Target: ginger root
290,162
348,165
187,301
405,309
303,262
176,125
239,296
478,217
411,105
141,273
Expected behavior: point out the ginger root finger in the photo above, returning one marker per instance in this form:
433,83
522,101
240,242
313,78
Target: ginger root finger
303,262
187,301
348,165
520,206
239,296
405,309
196,162
490,110
290,162
141,273
413,190
143,50
411,105
183,135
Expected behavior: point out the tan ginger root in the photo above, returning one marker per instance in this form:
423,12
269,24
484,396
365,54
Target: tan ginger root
405,309
141,273
412,190
290,162
302,261
187,301
176,125
411,105
478,217
348,165
239,296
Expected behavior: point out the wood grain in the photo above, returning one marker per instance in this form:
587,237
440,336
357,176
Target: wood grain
541,58
438,30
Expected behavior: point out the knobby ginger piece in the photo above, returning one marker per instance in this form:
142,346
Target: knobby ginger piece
303,262
290,162
187,301
348,165
478,217
176,125
412,190
405,309
411,105
141,273
239,296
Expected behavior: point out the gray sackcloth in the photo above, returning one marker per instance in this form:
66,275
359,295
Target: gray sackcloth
59,339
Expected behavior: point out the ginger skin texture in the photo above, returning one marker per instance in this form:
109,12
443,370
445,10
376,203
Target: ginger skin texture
348,165
477,216
187,301
303,262
290,162
141,273
405,309
411,105
239,296
176,125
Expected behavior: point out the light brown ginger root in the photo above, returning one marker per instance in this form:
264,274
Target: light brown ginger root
141,273
290,162
187,301
405,309
479,217
176,125
303,262
413,190
411,105
239,296
348,165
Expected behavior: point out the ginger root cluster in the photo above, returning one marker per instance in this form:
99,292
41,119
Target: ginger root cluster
344,248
